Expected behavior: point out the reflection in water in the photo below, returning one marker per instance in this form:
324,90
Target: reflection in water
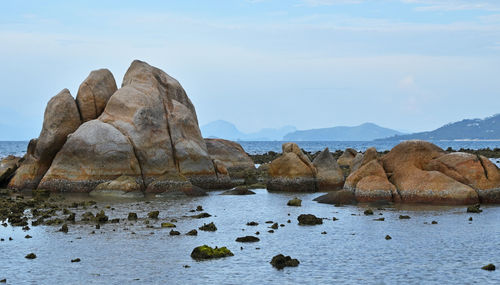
354,250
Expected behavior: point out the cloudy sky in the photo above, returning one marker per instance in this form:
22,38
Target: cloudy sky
405,64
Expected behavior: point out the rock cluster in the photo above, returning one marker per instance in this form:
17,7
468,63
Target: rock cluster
142,137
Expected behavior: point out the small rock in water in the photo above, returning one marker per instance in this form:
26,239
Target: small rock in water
97,227
434,222
174,233
309,219
474,209
379,219
489,267
132,216
368,212
76,260
269,222
27,236
31,256
153,214
296,202
192,233
64,228
323,233
201,216
252,224
248,239
167,225
206,252
199,208
3,281
270,231
208,227
280,261
388,237
404,217
470,219
335,219
101,217
274,226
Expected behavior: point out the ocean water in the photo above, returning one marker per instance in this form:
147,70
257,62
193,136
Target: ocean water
352,251
256,147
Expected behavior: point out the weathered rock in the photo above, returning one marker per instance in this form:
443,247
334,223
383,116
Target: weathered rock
8,166
208,227
280,261
153,214
61,118
192,233
374,189
292,172
329,175
309,219
206,252
473,170
230,154
122,187
405,163
94,93
96,153
132,216
346,158
339,197
373,168
360,160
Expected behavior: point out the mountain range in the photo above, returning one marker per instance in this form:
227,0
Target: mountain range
469,129
363,132
226,130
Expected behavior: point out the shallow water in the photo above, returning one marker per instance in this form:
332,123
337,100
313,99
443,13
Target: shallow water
354,250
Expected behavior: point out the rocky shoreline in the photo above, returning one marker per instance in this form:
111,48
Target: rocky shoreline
144,138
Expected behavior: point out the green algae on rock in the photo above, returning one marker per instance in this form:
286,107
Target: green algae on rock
206,252
208,227
296,202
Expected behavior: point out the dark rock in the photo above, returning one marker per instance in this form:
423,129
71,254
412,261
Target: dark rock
379,219
27,236
388,237
340,197
238,191
404,217
201,216
434,222
252,224
206,252
174,233
280,261
489,267
76,260
309,219
64,228
295,202
208,227
132,216
114,221
274,226
474,209
368,212
248,239
71,217
101,217
31,256
192,233
199,208
167,225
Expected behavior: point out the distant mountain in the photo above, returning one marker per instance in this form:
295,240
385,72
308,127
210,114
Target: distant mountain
470,129
364,132
226,130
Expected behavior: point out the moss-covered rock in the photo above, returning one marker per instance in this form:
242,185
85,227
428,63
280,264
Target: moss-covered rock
167,225
153,214
192,233
174,233
295,202
280,261
309,219
132,216
368,212
101,217
474,209
206,252
201,216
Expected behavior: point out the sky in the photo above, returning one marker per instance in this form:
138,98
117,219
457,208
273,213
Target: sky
410,65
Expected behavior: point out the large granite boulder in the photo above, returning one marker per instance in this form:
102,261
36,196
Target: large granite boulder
329,175
231,156
292,171
94,93
473,170
148,131
96,153
61,118
405,165
8,165
346,158
362,159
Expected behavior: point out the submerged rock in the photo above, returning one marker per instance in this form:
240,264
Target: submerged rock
247,239
309,219
192,233
167,225
238,191
474,209
339,197
208,227
201,216
206,252
122,187
280,261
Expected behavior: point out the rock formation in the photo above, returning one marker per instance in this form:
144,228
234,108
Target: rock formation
329,175
94,93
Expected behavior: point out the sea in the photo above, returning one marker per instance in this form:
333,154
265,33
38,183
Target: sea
437,245
18,148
